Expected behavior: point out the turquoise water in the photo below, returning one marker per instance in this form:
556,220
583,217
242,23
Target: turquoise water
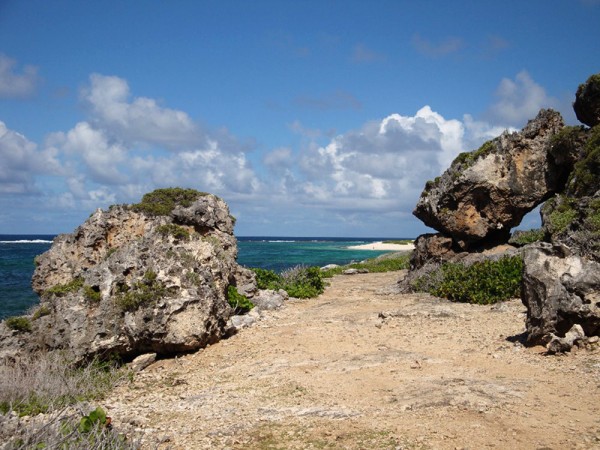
17,253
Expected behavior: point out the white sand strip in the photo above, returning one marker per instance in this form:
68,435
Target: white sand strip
382,246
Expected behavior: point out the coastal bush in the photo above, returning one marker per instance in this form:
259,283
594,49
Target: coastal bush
468,158
144,292
267,279
483,282
528,237
389,263
92,294
562,216
237,301
584,178
299,281
161,202
178,232
303,282
21,323
399,242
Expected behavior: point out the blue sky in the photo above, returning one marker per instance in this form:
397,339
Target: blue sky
310,118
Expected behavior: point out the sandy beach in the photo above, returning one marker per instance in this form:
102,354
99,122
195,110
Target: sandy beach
382,246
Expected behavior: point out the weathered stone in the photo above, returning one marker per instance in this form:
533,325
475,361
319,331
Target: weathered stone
487,192
564,344
559,290
268,299
587,101
142,361
128,283
431,248
354,271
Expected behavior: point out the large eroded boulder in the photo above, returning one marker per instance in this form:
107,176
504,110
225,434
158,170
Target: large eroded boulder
129,282
587,101
488,191
560,290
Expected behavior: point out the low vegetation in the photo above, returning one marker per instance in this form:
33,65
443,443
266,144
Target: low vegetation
483,282
387,263
468,158
528,237
299,281
20,323
144,292
237,301
162,202
48,383
400,242
177,231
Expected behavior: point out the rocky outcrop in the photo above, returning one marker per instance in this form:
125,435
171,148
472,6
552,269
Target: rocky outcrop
560,290
138,279
487,192
587,101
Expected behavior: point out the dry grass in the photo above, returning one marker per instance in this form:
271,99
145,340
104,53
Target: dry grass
44,397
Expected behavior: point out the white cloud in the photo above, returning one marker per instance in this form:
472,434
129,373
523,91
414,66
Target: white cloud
138,120
519,100
13,84
21,161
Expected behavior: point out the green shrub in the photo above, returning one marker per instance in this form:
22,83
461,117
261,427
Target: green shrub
267,279
584,178
562,216
178,232
60,290
528,237
482,282
162,202
237,301
22,324
41,311
303,282
400,242
389,263
299,281
468,158
144,292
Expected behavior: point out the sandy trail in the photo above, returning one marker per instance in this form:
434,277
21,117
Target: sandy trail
362,367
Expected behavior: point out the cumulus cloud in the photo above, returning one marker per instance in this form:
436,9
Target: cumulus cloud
383,165
519,100
139,119
14,84
21,161
445,47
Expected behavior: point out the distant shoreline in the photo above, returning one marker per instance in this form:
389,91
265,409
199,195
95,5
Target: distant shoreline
382,246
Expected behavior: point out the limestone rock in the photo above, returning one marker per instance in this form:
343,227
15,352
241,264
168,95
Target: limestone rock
561,345
587,101
142,361
128,282
431,248
559,290
268,299
487,192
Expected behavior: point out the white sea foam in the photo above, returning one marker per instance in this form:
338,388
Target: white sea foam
26,241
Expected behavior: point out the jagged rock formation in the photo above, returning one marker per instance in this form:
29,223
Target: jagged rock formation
587,101
151,277
487,192
560,290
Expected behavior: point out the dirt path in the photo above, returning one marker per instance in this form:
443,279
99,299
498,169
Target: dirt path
362,367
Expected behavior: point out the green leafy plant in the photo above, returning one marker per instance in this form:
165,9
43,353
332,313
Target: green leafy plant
162,202
237,301
267,279
60,290
171,229
144,292
562,216
483,282
299,281
21,324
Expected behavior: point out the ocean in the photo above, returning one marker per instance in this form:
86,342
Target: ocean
17,253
